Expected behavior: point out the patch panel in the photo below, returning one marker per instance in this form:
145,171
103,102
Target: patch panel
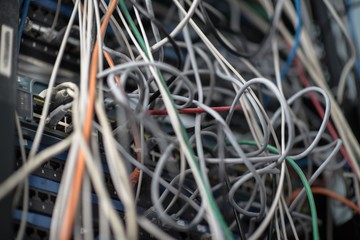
53,168
44,184
41,201
32,232
42,197
36,42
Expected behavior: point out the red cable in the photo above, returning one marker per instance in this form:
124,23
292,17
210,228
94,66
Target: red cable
192,110
320,110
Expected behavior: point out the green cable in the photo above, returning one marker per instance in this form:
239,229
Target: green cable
133,27
213,205
259,10
303,179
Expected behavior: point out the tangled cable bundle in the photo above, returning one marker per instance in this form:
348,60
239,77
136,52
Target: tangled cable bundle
204,129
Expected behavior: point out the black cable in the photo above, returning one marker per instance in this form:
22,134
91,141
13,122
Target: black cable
271,226
251,55
224,176
176,48
237,218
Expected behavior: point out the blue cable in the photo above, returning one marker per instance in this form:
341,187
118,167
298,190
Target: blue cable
24,14
348,4
291,56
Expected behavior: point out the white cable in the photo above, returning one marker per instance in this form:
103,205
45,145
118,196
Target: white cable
262,227
118,173
350,63
178,27
177,128
54,72
17,177
21,231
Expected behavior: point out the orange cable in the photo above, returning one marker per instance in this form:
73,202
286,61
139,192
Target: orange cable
68,220
327,192
111,64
